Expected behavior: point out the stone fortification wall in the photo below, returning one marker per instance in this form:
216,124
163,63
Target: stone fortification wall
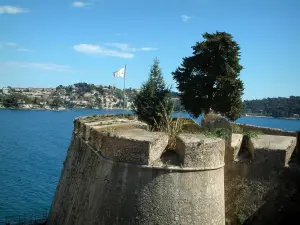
253,165
253,170
221,122
117,172
266,130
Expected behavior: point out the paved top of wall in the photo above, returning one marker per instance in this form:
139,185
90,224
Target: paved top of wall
127,140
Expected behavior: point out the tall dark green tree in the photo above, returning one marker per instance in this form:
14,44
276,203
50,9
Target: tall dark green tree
154,97
209,79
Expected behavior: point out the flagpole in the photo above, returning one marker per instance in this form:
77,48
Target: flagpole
124,88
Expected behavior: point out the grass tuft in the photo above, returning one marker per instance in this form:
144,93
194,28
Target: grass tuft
172,127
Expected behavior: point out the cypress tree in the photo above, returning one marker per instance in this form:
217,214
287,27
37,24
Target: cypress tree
154,97
209,79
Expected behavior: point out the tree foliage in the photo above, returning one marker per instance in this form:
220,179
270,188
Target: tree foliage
275,107
84,87
154,98
15,99
57,101
209,79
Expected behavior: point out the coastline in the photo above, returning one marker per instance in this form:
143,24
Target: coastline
271,117
78,108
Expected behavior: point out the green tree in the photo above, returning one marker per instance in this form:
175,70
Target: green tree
36,101
118,94
56,102
14,99
153,98
1,98
276,107
209,79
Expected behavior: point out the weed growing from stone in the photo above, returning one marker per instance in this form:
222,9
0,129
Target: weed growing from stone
173,127
218,133
252,134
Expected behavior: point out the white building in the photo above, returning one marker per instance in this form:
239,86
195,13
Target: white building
5,91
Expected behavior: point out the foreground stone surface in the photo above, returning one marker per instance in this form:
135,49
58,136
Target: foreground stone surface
108,178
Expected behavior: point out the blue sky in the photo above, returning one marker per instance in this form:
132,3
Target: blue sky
47,43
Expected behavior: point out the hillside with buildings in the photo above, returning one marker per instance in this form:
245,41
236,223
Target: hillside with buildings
79,95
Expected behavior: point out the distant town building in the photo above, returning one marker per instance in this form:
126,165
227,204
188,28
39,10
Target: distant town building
296,116
5,91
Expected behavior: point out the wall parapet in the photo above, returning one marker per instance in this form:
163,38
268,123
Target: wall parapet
125,139
266,130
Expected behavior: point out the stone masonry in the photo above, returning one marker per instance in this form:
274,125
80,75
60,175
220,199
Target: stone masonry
118,172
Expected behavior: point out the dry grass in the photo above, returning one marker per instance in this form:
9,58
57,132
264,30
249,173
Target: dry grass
211,116
173,127
245,196
235,128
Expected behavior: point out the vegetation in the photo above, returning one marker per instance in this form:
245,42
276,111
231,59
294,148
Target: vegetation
13,100
219,133
56,102
211,116
1,98
275,107
235,128
253,134
210,78
173,127
153,99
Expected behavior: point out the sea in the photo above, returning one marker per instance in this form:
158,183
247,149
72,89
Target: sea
33,146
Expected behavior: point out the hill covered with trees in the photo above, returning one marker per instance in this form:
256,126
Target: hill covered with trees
275,107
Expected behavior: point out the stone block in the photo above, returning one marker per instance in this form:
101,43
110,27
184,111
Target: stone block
134,146
197,150
236,143
272,150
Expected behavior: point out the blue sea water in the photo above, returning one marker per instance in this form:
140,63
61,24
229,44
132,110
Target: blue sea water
33,146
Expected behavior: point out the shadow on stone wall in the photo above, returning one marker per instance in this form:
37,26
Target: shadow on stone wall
254,168
282,205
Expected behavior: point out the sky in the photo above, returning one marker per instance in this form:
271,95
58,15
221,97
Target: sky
48,43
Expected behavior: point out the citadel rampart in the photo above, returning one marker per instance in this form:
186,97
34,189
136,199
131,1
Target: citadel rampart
253,165
117,172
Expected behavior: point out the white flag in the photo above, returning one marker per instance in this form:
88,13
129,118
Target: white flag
120,73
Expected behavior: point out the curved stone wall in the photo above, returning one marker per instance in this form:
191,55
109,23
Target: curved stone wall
98,189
